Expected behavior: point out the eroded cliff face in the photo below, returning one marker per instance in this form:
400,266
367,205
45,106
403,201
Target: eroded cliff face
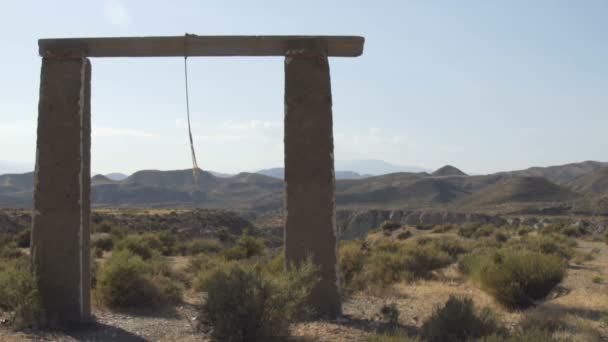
355,224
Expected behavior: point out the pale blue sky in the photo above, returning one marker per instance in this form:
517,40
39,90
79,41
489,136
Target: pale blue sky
483,85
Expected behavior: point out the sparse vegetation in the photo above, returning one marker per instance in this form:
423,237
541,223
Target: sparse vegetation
245,304
389,261
19,292
23,238
390,226
126,282
476,231
390,314
458,320
515,278
246,247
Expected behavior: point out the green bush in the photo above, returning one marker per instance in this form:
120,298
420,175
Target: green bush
523,231
452,247
420,261
126,281
517,277
484,231
141,245
389,262
390,313
103,227
573,231
546,244
104,242
246,247
19,292
197,246
404,235
444,228
10,251
168,242
389,226
205,267
23,238
476,231
458,320
245,304
352,259
501,237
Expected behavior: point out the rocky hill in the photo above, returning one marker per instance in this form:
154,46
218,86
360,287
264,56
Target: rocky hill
592,183
521,190
448,170
447,187
560,174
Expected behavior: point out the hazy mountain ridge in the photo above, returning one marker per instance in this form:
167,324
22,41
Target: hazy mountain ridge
446,187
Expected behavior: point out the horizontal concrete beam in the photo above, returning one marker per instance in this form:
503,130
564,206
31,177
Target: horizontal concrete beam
192,45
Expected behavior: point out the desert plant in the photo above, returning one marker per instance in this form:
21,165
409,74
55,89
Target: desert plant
140,245
404,235
458,320
476,230
245,304
103,227
501,237
246,247
10,251
23,238
452,247
389,226
168,242
352,259
483,231
196,246
390,313
104,242
126,281
420,261
573,231
517,277
444,228
19,292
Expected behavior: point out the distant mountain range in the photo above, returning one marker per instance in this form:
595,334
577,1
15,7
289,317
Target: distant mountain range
573,188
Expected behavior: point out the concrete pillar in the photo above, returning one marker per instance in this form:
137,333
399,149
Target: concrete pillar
60,227
310,223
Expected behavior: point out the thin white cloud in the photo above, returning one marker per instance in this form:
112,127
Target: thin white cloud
235,131
116,13
114,132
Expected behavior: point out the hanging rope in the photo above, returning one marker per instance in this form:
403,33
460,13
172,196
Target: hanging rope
192,152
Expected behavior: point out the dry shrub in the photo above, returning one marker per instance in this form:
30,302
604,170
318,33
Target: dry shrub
389,226
388,262
19,292
197,246
458,320
127,281
246,304
246,247
515,278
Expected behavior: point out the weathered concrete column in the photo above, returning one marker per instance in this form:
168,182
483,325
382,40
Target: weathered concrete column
310,223
60,228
